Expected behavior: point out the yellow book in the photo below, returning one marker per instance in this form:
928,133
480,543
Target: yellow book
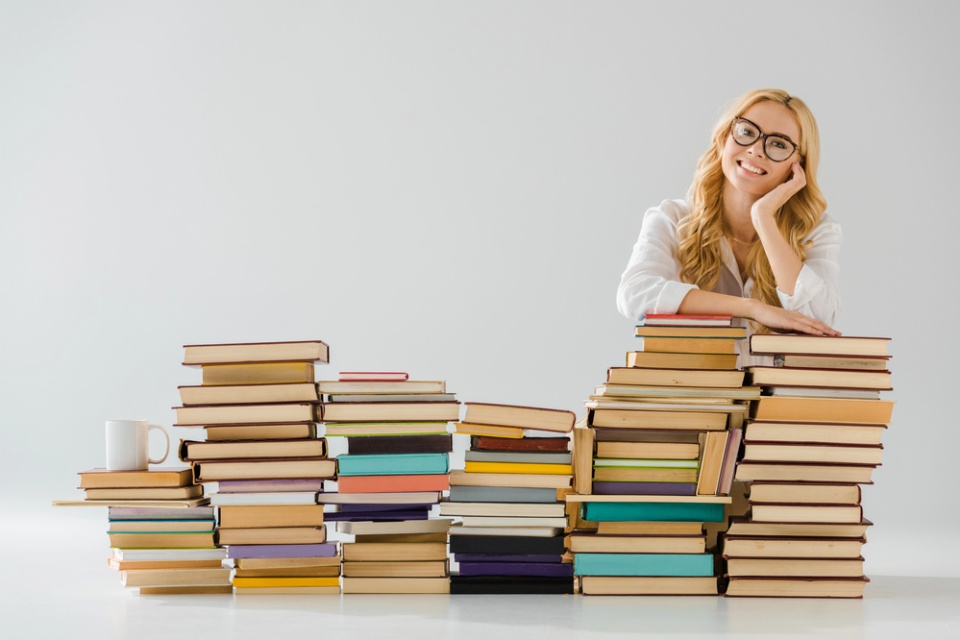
240,583
518,467
471,429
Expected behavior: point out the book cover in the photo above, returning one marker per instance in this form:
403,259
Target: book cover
656,511
511,585
300,351
643,564
521,417
400,444
392,464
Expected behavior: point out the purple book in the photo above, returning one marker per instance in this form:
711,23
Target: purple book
483,557
324,550
276,485
645,488
375,516
545,569
345,508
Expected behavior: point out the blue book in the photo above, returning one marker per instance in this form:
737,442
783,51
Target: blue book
643,564
653,511
392,464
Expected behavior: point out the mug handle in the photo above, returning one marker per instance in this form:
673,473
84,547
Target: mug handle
166,451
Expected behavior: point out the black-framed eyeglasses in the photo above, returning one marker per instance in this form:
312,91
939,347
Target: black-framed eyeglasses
776,146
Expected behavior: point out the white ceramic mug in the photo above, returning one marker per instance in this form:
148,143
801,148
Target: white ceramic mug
128,445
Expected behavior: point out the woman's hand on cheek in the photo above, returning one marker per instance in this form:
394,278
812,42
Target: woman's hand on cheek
768,205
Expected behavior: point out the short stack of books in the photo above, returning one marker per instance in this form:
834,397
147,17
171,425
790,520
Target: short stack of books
814,438
661,437
392,476
161,531
509,498
258,404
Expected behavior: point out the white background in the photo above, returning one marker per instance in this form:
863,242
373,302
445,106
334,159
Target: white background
446,188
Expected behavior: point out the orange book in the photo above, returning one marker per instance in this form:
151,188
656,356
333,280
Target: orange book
393,484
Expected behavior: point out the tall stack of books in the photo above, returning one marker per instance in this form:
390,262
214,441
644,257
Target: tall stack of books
509,498
258,404
814,438
392,476
161,531
655,462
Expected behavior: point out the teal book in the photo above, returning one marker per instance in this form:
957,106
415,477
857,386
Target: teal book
392,464
643,564
653,512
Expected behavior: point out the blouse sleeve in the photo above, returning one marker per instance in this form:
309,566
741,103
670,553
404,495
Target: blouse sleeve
817,290
651,282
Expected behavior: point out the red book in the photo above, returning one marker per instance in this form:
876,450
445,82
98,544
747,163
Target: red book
681,320
393,484
373,376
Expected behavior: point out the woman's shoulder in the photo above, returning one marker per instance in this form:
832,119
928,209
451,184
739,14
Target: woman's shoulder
826,230
667,213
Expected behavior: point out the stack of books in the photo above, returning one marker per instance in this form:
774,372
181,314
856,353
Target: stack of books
390,479
161,531
509,498
814,438
258,404
655,460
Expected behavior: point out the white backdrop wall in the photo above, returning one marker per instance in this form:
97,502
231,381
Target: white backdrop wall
446,188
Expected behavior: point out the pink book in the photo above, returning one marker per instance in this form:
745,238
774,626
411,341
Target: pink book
373,376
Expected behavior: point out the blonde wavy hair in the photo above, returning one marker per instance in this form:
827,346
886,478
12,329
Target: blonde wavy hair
699,234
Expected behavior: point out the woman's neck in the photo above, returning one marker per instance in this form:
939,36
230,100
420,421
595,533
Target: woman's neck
737,223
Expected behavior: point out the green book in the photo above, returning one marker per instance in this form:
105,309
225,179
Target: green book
643,564
392,464
653,511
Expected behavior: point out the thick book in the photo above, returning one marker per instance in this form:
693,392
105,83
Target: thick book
803,587
643,475
510,585
280,515
397,569
812,453
839,513
488,430
798,472
392,498
192,450
643,564
272,536
675,376
506,545
247,352
806,377
393,483
248,393
769,547
389,411
461,493
254,469
711,462
648,586
842,410
583,451
392,464
156,477
803,493
708,361
655,511
285,581
439,443
258,373
275,413
818,432
782,343
521,417
393,551
264,498
175,577
487,443
640,418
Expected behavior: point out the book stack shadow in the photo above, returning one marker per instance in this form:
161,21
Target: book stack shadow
655,461
258,406
813,439
509,500
161,530
391,477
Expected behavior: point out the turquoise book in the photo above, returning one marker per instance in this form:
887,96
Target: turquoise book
643,564
653,511
392,464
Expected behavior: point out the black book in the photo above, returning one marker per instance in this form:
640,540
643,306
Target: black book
401,444
510,585
506,545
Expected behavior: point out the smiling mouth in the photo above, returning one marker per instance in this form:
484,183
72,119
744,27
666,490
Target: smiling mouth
751,168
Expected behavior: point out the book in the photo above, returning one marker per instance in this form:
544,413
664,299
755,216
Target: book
643,564
653,511
272,536
461,493
536,457
389,411
583,451
488,430
396,483
825,433
143,565
371,429
647,392
396,585
745,547
157,477
161,540
447,508
513,524
665,450
646,488
675,377
271,485
544,569
520,417
685,320
286,591
281,515
505,544
488,530
517,468
247,352
161,512
648,528
261,373
653,360
643,475
487,443
824,392
157,526
175,577
287,564
648,463
288,431
392,464
241,583
842,513
391,397
264,499
253,469
322,550
602,434
143,493
386,387
806,493
511,585
741,586
800,377
394,498
689,345
394,528
648,585
388,569
729,464
665,331
711,462
592,543
795,567
386,551
746,528
373,376
831,362
795,472
248,393
170,554
203,415
840,410
814,453
784,343
458,477
438,443
192,450
647,419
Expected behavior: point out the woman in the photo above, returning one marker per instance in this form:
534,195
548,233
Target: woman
752,239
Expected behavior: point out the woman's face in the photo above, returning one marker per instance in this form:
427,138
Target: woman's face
748,169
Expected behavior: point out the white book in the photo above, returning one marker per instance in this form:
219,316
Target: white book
394,528
500,521
170,554
502,509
